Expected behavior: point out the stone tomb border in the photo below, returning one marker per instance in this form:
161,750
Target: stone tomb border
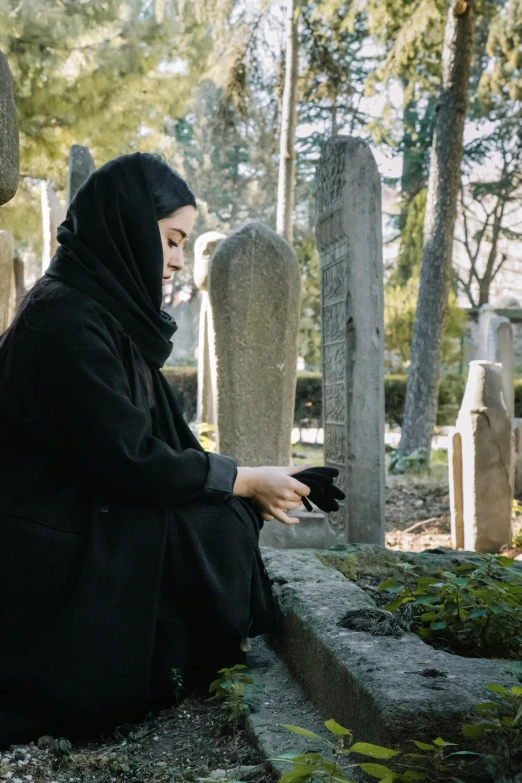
389,690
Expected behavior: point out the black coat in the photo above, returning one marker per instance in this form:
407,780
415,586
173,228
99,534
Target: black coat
120,556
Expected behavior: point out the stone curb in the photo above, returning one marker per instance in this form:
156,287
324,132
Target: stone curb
390,690
281,700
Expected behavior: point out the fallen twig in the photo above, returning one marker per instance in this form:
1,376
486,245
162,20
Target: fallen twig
422,522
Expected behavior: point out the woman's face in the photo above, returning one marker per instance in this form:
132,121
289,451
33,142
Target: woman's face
175,231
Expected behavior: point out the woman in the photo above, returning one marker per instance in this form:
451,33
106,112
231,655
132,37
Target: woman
125,549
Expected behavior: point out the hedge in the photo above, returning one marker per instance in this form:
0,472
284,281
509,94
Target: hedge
308,401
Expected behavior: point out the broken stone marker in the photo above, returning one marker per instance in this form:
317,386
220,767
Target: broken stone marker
204,247
483,478
455,490
7,280
81,166
349,239
254,291
53,213
9,141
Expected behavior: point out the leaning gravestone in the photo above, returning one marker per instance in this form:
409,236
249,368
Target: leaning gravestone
483,478
204,247
53,213
254,292
9,142
7,280
81,166
349,239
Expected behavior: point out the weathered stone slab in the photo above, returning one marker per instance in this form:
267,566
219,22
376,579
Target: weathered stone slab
81,166
484,476
7,280
254,292
204,247
312,532
516,428
53,213
349,240
9,140
391,690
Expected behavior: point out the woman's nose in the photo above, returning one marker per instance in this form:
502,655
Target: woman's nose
178,262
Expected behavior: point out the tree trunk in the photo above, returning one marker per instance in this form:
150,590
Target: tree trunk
286,185
441,208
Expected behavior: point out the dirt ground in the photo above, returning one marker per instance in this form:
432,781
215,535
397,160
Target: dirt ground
422,502
180,744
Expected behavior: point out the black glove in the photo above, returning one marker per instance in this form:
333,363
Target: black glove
323,492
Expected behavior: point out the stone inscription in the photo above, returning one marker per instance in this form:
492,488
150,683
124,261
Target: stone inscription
334,319
334,451
335,402
334,362
333,283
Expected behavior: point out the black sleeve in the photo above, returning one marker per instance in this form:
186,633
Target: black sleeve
86,395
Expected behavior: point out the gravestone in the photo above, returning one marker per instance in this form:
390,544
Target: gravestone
349,239
7,280
53,213
496,345
81,166
9,142
254,291
204,247
484,475
516,429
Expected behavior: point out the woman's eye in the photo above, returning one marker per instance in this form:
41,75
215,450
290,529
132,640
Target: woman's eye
172,244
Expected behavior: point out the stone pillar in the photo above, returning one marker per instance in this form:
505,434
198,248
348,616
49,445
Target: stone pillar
204,247
9,142
7,280
254,292
53,213
496,345
349,239
485,472
455,490
81,166
516,428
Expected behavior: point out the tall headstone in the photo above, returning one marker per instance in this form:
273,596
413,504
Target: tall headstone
53,213
7,280
254,292
9,142
484,475
204,247
349,239
496,345
81,166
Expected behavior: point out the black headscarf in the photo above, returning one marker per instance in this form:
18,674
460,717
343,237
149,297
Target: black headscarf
110,248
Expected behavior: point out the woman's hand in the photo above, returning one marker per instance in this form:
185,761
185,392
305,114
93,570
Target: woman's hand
274,489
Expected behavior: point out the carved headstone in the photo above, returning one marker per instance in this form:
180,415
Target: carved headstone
485,473
254,291
204,247
7,280
349,239
9,142
81,166
53,213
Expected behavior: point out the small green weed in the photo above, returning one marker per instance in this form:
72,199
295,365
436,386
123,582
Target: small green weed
416,462
230,690
476,611
431,763
176,677
501,729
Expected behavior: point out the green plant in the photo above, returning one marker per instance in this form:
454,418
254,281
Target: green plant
230,689
416,462
430,764
501,729
475,612
176,677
